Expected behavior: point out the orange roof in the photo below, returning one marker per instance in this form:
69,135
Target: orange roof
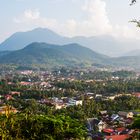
108,130
25,83
137,94
118,137
14,92
120,129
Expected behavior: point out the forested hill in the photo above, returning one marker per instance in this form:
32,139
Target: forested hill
54,55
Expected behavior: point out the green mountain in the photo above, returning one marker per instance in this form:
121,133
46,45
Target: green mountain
45,55
127,61
53,56
2,53
107,45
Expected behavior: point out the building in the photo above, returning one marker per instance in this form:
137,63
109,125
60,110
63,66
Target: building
117,137
103,112
137,95
114,117
14,93
74,102
125,114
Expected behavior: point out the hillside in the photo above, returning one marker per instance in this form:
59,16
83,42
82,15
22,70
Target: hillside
133,53
53,55
127,61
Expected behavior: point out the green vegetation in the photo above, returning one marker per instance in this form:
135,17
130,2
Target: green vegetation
38,117
47,55
136,124
40,127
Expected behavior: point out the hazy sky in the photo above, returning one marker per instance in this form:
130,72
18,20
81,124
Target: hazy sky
70,17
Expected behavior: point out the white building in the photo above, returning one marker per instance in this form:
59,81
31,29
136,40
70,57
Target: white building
74,102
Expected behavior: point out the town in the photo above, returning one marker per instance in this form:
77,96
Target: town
106,102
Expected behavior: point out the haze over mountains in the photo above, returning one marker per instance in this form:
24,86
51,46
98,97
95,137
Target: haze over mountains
102,44
45,47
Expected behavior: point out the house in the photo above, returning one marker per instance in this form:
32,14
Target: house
8,97
45,84
59,105
10,83
98,96
102,125
25,83
103,112
74,102
89,95
128,121
125,114
14,93
111,97
120,130
108,131
95,124
117,137
136,94
114,117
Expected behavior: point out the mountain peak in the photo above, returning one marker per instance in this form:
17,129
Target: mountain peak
52,55
103,44
40,29
21,39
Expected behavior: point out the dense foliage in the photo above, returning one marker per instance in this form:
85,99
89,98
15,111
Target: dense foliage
40,127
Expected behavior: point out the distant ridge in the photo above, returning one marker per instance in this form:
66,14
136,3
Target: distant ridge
102,44
133,53
21,39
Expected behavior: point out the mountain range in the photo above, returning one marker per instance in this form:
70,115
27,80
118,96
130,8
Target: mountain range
102,44
46,48
53,55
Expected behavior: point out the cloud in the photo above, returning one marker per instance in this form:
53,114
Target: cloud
28,15
32,14
33,17
97,16
96,22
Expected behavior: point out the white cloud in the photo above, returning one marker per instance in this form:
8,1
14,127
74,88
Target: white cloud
97,16
32,14
96,22
28,15
33,17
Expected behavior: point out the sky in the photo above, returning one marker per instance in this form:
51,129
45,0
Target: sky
70,17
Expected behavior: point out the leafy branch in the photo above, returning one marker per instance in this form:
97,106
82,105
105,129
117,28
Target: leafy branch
137,22
133,2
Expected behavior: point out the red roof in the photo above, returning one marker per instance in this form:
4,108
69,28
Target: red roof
14,92
137,94
25,83
118,137
120,129
108,130
8,97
